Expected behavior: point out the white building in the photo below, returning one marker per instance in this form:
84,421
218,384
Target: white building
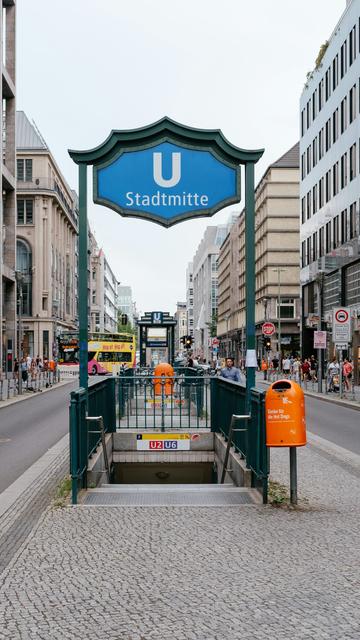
205,286
190,300
181,326
330,182
103,292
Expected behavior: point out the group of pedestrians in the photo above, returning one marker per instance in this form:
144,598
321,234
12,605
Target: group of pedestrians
306,370
29,368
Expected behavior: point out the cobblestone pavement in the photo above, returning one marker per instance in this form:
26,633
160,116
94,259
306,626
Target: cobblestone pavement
175,573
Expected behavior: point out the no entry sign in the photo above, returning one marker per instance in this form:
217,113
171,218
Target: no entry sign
268,329
341,325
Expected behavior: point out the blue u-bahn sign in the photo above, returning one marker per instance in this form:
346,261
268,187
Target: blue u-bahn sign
167,182
166,172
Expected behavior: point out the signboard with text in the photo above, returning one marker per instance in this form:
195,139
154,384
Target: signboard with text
163,442
341,325
319,339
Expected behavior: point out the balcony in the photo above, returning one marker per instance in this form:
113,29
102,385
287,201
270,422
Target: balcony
48,185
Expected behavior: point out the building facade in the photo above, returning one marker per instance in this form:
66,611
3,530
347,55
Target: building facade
330,185
276,269
8,323
125,303
205,287
103,292
190,300
181,325
46,245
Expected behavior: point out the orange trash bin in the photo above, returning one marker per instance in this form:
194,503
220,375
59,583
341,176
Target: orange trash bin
285,415
163,379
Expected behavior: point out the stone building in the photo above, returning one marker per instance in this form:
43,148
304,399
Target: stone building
46,245
8,338
190,300
181,325
276,268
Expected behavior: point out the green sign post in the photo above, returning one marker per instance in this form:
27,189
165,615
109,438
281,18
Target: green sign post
167,172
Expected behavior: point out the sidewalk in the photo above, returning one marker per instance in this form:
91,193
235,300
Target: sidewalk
350,398
29,394
209,573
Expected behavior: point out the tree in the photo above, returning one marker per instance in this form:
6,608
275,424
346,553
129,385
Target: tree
212,325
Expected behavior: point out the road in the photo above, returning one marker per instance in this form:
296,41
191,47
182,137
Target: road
29,428
340,425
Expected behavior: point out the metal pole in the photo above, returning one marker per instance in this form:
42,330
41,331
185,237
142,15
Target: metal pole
83,278
250,279
20,283
279,319
293,476
319,351
341,372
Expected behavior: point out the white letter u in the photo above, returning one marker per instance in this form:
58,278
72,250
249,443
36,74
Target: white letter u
175,170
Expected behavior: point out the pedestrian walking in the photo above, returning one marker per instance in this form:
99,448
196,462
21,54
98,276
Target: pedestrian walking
230,372
347,373
332,375
305,370
264,368
313,369
296,369
286,366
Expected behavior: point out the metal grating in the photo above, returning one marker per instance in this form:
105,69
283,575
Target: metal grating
169,498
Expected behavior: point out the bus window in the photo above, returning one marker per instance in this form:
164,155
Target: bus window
114,356
91,355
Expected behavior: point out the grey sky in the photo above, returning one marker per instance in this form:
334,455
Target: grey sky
85,67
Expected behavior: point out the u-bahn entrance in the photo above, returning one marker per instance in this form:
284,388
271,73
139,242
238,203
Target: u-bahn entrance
156,337
166,173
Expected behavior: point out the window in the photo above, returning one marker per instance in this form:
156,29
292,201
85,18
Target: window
302,122
327,84
24,170
308,114
287,308
314,198
352,221
314,152
344,226
308,159
336,237
303,172
352,284
308,250
328,185
328,134
24,267
343,171
320,94
343,59
308,205
321,242
335,171
352,158
335,125
314,105
328,237
25,211
303,254
321,193
321,143
343,115
352,103
303,210
314,246
352,45
335,72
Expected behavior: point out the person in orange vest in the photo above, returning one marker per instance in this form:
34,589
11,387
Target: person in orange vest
264,368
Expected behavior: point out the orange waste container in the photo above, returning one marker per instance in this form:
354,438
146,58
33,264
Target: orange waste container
163,379
285,415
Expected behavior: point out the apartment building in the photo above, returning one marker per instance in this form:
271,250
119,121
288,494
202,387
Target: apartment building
103,291
330,184
190,300
8,326
46,244
181,325
276,268
205,287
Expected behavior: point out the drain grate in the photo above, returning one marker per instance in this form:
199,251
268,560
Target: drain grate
168,498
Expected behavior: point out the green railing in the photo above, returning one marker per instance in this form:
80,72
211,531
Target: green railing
229,398
181,401
99,401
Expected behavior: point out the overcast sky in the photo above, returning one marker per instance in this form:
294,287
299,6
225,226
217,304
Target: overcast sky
85,67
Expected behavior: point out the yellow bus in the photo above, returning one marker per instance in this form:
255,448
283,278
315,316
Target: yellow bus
107,353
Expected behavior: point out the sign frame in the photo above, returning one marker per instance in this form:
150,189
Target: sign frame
341,328
273,329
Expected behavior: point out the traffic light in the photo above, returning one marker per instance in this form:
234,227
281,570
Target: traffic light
188,342
267,344
124,319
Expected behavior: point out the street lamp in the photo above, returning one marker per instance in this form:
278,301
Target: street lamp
279,270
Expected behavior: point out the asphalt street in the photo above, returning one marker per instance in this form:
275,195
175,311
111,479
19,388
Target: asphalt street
29,428
338,424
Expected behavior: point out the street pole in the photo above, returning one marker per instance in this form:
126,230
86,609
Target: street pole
250,362
320,351
19,280
83,278
279,318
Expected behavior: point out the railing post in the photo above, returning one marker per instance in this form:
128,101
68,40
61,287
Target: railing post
74,449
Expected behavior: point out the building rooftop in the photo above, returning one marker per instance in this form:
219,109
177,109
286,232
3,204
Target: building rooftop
27,134
290,159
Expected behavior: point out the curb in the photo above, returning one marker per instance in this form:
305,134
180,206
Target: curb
16,399
350,404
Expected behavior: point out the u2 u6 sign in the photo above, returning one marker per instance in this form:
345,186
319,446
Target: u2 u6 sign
163,441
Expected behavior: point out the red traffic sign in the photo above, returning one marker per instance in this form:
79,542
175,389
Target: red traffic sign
215,342
268,329
341,315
